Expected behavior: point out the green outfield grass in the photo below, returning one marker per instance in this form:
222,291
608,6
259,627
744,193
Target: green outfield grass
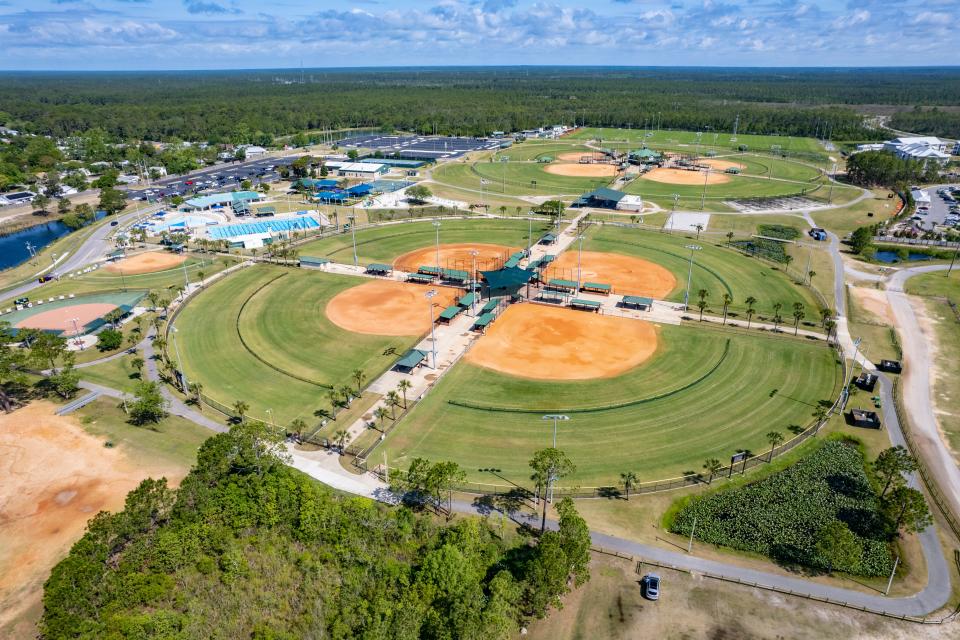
383,244
721,403
739,187
716,268
937,284
279,314
707,140
101,280
533,149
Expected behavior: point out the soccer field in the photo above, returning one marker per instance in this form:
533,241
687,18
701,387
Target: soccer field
659,420
262,336
384,243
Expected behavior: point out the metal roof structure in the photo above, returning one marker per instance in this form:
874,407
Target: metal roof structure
411,359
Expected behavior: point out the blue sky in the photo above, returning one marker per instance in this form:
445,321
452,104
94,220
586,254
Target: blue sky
219,34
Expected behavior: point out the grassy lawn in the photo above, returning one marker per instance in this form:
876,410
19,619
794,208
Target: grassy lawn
936,284
707,140
717,269
117,373
174,441
946,357
280,315
844,220
164,281
496,422
746,225
383,244
492,200
738,187
513,178
877,335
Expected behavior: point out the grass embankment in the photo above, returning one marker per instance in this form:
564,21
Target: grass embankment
777,382
289,354
383,244
717,269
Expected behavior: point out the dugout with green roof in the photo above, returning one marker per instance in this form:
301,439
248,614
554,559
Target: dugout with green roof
467,300
596,287
450,313
377,267
483,321
561,284
490,306
411,359
420,278
637,301
585,304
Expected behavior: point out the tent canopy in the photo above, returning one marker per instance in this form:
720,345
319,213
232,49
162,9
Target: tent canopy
507,278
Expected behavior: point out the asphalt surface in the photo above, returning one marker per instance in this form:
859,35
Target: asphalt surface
938,212
212,179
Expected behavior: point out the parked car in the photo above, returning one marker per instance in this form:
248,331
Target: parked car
43,279
650,585
114,223
21,301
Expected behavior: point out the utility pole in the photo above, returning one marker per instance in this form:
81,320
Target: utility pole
692,529
433,339
892,572
686,295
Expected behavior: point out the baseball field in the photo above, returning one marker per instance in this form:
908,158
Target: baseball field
659,419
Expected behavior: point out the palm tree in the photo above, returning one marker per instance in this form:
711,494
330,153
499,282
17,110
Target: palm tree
750,310
503,210
137,363
393,400
787,260
699,228
200,275
340,437
798,315
727,299
819,415
196,389
776,315
403,386
825,314
810,275
380,413
774,438
240,408
297,427
729,237
359,377
346,395
712,465
334,396
702,303
628,479
829,325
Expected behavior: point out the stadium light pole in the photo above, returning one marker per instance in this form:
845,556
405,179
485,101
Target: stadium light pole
76,333
686,295
556,417
353,232
436,223
703,194
176,348
579,260
433,339
473,282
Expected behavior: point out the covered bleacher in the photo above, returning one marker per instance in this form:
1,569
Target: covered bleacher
637,302
467,301
420,278
548,238
586,305
596,287
379,269
447,315
313,262
490,306
426,269
483,321
410,360
455,275
563,286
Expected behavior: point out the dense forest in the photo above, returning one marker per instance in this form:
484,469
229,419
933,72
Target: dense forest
249,548
236,106
934,122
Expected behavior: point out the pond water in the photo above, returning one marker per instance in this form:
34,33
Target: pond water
13,247
890,257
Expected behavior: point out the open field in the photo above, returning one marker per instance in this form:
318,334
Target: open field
722,140
263,336
936,284
938,321
844,220
717,269
386,243
526,178
660,188
659,420
118,373
871,320
103,280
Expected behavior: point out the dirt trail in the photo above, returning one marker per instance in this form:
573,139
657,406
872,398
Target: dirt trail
55,477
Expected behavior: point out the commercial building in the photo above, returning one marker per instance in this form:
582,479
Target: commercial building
218,200
920,148
600,198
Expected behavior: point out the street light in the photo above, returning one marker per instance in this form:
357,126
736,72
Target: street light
183,374
76,332
433,339
686,296
473,282
556,417
436,223
353,233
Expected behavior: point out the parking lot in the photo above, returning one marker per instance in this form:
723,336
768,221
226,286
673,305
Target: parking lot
420,147
938,210
217,178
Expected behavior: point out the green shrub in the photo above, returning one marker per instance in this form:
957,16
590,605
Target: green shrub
782,516
778,231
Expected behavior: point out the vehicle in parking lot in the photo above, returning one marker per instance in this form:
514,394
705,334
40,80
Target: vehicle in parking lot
21,301
650,584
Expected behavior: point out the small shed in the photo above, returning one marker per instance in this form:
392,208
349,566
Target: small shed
867,381
866,419
548,238
312,262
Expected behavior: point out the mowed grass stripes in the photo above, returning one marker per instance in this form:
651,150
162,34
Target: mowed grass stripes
262,336
763,384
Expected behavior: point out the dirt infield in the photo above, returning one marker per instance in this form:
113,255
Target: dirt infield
627,275
456,256
556,343
574,156
722,165
62,317
56,477
146,263
682,176
387,308
582,170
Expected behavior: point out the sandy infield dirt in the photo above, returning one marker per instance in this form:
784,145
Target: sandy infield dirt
456,256
682,176
628,275
55,477
557,343
574,156
62,318
582,170
147,263
722,165
387,308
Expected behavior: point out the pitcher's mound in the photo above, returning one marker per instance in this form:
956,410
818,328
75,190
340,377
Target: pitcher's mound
147,263
556,343
456,256
627,275
582,170
682,176
386,308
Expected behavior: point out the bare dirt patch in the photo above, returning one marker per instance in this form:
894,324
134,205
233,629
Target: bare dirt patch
456,256
55,478
146,263
387,308
582,170
626,274
722,165
682,176
873,301
62,318
556,343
